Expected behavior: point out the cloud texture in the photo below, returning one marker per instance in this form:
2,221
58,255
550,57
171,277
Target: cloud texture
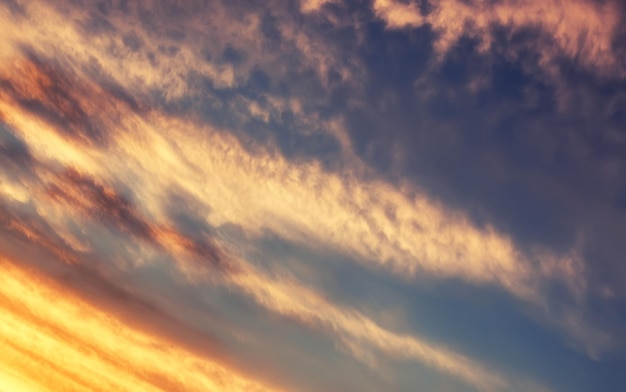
310,196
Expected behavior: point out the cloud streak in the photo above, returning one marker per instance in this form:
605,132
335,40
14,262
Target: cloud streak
239,188
161,145
401,230
74,346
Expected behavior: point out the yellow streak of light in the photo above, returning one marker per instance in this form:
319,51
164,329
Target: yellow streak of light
52,341
9,381
45,143
9,190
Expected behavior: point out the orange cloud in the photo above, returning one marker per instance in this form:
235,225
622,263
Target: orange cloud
307,6
73,346
382,226
395,228
397,14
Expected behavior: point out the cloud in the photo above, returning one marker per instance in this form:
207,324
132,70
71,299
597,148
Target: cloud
94,199
53,98
276,295
159,58
204,69
237,118
396,229
13,151
240,189
399,230
104,203
580,30
74,346
285,297
398,15
307,6
290,299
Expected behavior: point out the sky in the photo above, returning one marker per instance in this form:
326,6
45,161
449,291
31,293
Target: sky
314,195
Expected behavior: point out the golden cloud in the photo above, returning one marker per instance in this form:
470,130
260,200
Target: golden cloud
73,346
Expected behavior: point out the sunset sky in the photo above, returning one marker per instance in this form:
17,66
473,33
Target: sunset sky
323,195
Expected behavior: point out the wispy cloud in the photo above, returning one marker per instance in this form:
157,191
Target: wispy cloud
580,30
400,229
397,14
139,136
240,188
